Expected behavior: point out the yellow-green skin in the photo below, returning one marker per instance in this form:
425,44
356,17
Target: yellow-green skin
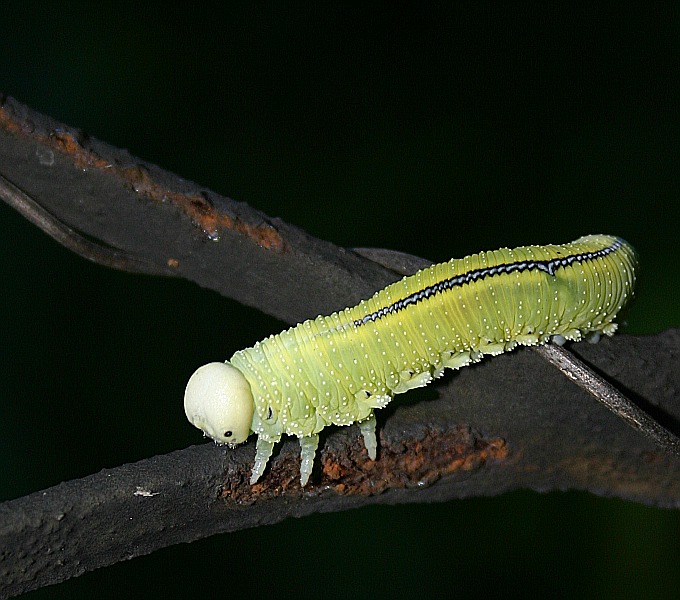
335,370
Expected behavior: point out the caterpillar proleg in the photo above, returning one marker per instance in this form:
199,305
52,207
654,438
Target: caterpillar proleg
337,369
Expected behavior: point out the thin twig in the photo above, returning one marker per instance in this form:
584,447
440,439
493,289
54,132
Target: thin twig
71,239
608,395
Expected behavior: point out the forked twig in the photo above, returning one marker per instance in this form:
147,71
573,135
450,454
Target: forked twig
566,362
64,531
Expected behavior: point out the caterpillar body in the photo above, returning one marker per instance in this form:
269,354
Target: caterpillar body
337,369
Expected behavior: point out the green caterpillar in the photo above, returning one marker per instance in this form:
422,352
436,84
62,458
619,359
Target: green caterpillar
337,370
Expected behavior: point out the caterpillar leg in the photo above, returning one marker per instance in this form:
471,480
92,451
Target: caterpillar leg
593,337
454,360
308,446
409,380
367,429
263,451
373,400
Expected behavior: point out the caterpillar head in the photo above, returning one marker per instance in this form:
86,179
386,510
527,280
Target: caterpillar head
218,401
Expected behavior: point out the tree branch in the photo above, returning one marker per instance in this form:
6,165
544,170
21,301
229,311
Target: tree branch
510,422
183,229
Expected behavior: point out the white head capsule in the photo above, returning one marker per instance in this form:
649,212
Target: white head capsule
218,401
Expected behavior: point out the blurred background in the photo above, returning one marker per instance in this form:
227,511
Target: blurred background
438,131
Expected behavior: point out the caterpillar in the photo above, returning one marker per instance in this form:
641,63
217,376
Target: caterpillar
338,369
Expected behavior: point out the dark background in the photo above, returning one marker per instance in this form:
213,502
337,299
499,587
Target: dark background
439,132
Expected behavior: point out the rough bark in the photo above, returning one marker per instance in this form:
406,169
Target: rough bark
510,422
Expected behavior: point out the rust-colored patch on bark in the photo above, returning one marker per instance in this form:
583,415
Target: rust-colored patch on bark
410,463
415,463
13,126
68,143
197,207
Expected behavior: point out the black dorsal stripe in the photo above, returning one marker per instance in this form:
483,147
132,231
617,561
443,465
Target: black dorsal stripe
547,266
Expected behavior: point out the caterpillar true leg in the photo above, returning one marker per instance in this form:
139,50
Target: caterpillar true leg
308,446
263,451
367,429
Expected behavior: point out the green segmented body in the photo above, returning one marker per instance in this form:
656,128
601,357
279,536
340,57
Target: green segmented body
335,370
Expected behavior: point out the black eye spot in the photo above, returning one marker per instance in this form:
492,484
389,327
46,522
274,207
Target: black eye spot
227,434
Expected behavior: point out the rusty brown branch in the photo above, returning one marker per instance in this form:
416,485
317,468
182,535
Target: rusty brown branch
142,211
508,423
